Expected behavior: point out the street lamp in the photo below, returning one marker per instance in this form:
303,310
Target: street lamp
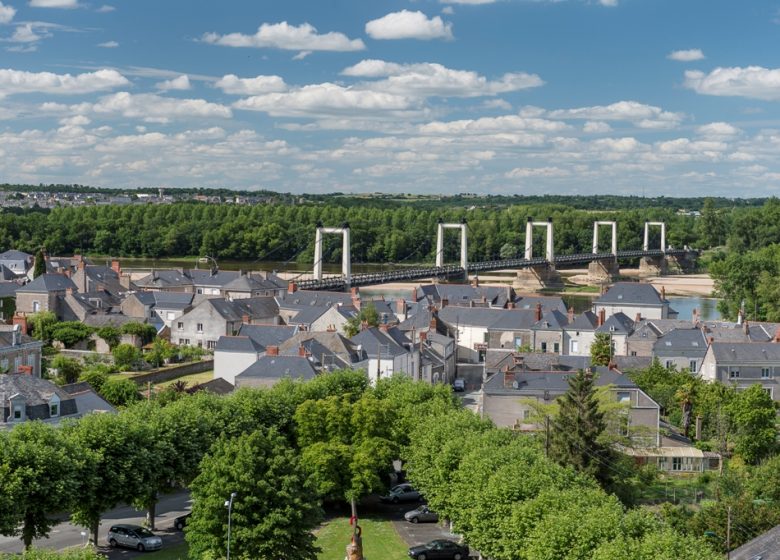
229,505
84,539
212,260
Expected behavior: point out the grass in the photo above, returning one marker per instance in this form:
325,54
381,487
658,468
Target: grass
688,489
189,379
380,539
176,552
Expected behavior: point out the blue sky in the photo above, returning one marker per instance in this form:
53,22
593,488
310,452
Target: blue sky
673,97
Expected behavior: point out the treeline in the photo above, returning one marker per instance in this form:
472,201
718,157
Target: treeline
286,232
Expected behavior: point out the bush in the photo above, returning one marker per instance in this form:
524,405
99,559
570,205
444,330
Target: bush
96,376
70,333
120,391
110,334
68,369
145,332
126,356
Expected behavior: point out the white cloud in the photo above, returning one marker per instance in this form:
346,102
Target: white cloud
431,79
109,45
608,3
7,13
409,25
718,129
507,123
18,81
472,2
25,34
155,108
105,8
641,115
288,37
596,127
78,120
180,83
324,99
234,85
68,4
524,172
753,81
501,104
689,55
448,10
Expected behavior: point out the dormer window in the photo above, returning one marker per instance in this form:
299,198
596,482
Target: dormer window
54,406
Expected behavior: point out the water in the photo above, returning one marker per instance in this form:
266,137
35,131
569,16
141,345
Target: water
684,305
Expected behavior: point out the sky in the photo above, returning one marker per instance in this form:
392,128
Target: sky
630,97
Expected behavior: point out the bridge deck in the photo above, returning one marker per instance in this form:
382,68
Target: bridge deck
336,283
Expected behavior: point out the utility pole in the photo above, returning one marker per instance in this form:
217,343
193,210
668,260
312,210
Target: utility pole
547,435
728,534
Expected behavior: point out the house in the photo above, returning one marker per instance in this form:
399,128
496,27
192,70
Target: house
579,333
215,317
272,368
619,327
320,318
18,352
234,354
42,294
166,281
386,351
17,263
647,332
513,329
254,284
435,342
509,396
293,301
764,547
470,326
530,302
331,350
95,278
466,295
743,364
548,332
87,400
681,348
27,397
632,298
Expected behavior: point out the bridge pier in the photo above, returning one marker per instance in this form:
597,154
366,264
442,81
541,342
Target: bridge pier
653,266
539,277
603,270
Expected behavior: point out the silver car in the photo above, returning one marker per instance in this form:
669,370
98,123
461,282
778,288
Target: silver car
401,493
421,514
133,536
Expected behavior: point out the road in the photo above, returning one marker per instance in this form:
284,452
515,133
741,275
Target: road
66,535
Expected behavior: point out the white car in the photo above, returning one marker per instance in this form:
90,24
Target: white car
459,385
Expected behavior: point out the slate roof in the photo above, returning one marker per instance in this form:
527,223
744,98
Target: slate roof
8,289
746,352
164,279
555,382
87,399
618,323
552,321
277,367
14,255
238,344
218,386
375,342
471,316
515,320
318,354
496,360
34,389
6,337
341,346
548,303
631,293
217,280
104,319
311,298
268,335
681,342
766,546
463,294
585,321
308,315
46,283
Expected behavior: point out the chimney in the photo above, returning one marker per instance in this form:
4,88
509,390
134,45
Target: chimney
432,325
475,281
414,295
81,264
538,314
116,267
695,316
20,320
331,328
509,378
66,272
302,351
663,293
271,350
423,336
638,317
400,307
602,317
15,338
292,287
124,281
68,291
444,302
711,339
364,325
384,327
25,370
570,315
510,305
246,320
612,365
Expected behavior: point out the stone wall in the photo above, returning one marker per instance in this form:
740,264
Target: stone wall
166,374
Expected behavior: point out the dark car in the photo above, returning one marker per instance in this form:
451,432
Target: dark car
402,493
181,522
440,548
422,513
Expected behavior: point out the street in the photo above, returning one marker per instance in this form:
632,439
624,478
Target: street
66,535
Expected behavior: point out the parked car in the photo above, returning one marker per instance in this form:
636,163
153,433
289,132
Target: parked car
133,536
181,522
401,493
422,513
439,549
459,385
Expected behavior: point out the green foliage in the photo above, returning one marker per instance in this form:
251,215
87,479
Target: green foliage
68,369
70,333
43,554
39,473
273,512
110,334
161,350
601,349
40,263
144,331
120,391
754,414
665,544
41,324
96,375
368,315
126,356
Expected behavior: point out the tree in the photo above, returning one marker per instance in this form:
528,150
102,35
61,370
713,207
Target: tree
711,225
68,369
110,334
43,554
41,471
40,263
41,324
576,431
120,391
144,331
368,315
685,396
754,415
70,333
161,350
508,251
273,512
126,356
601,350
664,544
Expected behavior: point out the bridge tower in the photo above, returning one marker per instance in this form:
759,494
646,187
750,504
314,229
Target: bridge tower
346,255
542,275
464,244
657,265
606,269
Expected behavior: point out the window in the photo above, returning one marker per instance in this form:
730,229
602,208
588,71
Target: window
36,306
544,347
199,291
200,344
574,346
200,327
180,326
17,364
766,373
557,348
633,352
485,337
676,463
624,396
30,359
669,363
18,412
54,409
768,391
692,366
734,373
171,315
211,344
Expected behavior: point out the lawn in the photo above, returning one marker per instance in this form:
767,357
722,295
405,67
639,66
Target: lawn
175,552
686,489
189,379
380,540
